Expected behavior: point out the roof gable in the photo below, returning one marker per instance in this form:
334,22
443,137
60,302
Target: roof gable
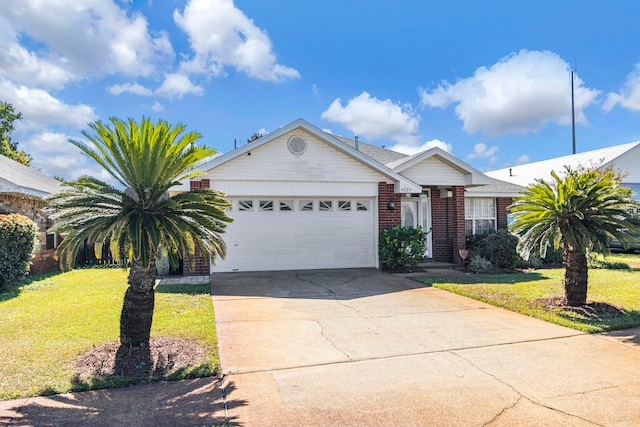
421,162
18,178
272,145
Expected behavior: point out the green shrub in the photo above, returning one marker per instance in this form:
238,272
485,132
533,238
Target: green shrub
18,236
499,248
594,262
479,264
401,248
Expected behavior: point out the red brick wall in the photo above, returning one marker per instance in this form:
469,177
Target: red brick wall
447,224
201,265
388,218
458,237
501,210
195,185
31,207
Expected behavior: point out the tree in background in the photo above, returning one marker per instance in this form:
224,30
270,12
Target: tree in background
8,148
140,218
579,211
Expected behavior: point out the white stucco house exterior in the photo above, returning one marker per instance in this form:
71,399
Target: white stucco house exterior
306,199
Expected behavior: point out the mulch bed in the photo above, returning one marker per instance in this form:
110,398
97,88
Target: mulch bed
164,357
592,309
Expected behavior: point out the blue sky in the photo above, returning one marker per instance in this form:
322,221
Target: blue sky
488,81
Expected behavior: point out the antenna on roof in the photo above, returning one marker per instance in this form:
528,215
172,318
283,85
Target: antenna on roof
573,116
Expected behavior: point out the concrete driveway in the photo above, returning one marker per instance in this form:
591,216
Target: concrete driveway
360,347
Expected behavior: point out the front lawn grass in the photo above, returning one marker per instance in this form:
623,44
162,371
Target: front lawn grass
46,324
519,291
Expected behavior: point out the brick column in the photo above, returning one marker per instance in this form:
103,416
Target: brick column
201,264
501,210
386,217
457,215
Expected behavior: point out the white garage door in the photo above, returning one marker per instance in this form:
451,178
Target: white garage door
290,234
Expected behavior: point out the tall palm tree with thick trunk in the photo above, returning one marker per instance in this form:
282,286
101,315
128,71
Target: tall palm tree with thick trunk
137,217
579,211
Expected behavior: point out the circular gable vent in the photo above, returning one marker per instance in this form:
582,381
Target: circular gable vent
297,145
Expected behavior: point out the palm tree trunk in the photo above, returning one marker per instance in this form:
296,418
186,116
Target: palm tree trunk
575,277
137,309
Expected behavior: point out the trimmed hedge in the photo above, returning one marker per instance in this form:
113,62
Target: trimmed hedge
401,248
18,236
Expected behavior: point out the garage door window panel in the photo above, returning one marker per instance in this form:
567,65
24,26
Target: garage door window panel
325,205
266,205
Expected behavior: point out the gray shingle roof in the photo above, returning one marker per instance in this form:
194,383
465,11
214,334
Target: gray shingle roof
379,154
18,178
498,186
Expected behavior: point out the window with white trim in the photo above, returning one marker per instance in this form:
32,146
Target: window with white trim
325,205
286,205
306,205
479,215
344,205
362,206
245,205
266,205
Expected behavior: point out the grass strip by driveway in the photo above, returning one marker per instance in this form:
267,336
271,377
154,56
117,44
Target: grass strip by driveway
519,291
47,323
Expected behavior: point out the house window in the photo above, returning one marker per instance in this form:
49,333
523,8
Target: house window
479,215
266,205
286,205
344,205
325,205
245,205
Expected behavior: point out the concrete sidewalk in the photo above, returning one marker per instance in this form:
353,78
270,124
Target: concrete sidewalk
360,347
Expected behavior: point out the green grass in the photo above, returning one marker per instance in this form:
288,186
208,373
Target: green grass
517,292
47,323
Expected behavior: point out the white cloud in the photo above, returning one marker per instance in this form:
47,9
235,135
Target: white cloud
375,119
481,151
79,38
411,149
522,160
18,63
519,94
54,155
176,85
157,107
39,109
315,90
222,35
134,88
629,96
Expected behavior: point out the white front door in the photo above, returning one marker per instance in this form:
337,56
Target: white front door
416,211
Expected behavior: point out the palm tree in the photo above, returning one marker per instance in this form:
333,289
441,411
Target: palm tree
579,211
138,216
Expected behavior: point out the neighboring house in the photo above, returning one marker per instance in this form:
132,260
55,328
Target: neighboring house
624,158
306,199
22,191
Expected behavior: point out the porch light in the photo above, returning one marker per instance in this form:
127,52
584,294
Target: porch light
391,204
